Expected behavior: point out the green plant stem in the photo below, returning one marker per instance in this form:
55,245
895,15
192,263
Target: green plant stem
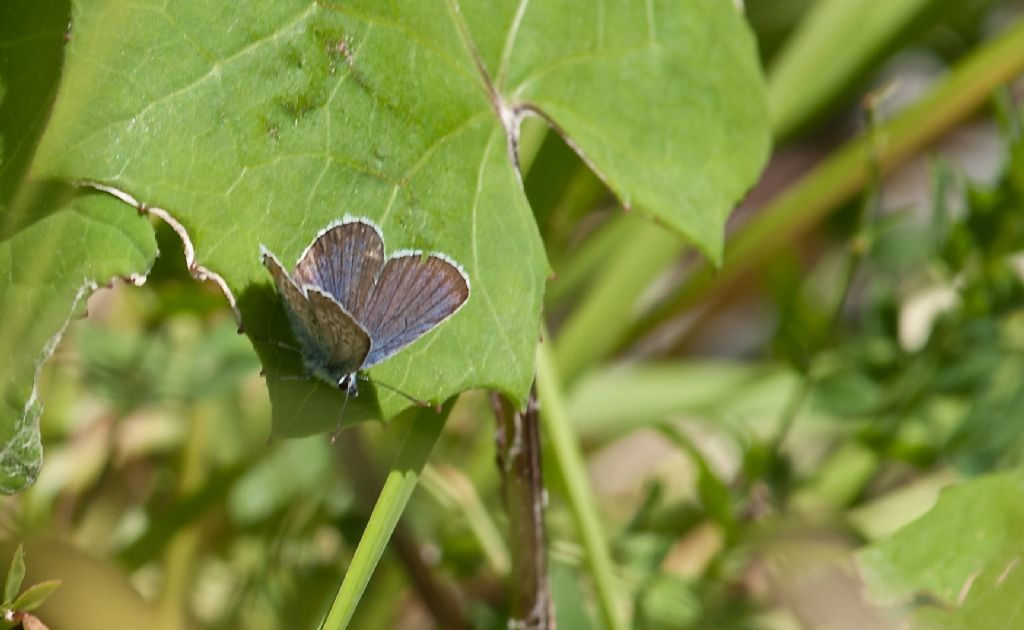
421,433
842,176
858,248
438,596
569,460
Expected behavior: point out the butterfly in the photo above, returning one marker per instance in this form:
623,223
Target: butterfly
351,307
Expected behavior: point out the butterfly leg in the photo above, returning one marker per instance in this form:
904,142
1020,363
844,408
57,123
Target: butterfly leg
413,400
288,377
276,343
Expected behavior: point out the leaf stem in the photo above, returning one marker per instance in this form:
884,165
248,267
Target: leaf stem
438,596
569,459
421,433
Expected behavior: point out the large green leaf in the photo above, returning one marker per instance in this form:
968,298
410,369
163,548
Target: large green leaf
55,245
991,599
968,543
263,122
48,269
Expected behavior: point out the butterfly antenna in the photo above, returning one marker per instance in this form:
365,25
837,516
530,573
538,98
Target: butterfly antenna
337,426
412,399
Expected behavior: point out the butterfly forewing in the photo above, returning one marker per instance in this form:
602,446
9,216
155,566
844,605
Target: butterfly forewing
331,340
344,261
412,295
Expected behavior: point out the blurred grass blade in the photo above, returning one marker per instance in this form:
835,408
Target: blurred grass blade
575,272
569,460
605,312
455,491
823,59
842,176
839,178
623,398
422,432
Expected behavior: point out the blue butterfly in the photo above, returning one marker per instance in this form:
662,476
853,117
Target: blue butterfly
351,307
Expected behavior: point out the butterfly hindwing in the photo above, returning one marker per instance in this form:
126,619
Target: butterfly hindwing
344,261
344,341
296,305
413,294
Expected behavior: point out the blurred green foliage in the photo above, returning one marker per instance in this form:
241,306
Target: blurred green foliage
786,447
18,603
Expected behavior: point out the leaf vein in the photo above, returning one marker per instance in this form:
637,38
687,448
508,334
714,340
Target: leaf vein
476,258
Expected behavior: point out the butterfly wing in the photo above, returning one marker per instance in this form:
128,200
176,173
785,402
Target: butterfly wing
300,312
344,260
332,342
413,294
344,341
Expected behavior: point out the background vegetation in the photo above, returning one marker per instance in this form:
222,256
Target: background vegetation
826,431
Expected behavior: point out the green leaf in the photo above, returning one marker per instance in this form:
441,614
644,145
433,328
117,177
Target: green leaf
97,239
645,89
975,528
31,39
668,601
55,246
990,600
15,575
35,595
263,123
30,43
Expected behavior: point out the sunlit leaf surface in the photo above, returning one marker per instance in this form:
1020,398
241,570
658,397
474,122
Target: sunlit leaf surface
262,123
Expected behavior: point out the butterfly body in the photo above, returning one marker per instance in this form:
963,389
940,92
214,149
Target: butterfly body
351,307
